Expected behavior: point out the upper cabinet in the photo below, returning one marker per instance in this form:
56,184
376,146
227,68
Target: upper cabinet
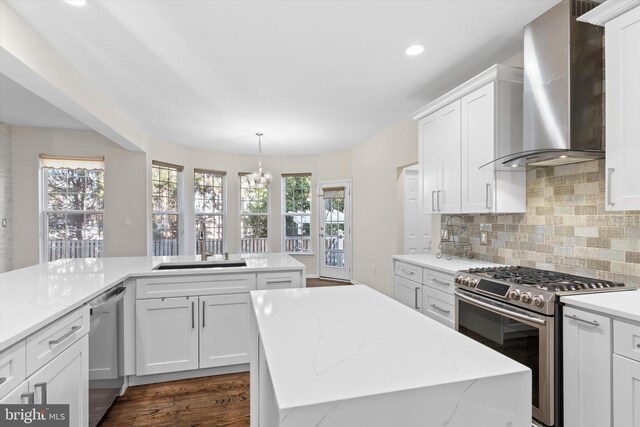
465,129
621,20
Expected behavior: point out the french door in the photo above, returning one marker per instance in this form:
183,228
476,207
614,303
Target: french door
335,229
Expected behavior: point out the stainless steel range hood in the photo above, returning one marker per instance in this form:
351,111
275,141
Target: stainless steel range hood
563,89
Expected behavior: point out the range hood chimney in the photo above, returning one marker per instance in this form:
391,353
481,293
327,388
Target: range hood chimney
563,89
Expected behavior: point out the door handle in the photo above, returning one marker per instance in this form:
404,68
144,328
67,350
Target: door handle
487,189
609,173
193,314
433,201
203,313
438,198
30,397
415,297
43,386
65,336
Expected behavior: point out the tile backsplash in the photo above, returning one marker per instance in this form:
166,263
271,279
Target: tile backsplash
565,228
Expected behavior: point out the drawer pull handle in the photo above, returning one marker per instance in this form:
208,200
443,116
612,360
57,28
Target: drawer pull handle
30,397
43,400
408,271
3,380
440,309
269,281
588,322
72,331
441,282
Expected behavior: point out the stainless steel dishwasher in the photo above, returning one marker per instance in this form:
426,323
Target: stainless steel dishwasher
106,352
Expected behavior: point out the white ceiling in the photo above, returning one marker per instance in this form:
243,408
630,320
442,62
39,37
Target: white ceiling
20,107
314,76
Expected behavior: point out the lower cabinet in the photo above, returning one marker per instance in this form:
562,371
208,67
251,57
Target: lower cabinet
587,380
407,292
626,392
186,333
63,380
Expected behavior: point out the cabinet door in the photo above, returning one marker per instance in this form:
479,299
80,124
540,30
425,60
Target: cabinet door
224,330
478,139
448,198
407,292
622,111
626,392
18,395
587,377
429,164
166,335
65,379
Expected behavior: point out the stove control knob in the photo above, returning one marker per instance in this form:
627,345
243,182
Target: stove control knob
458,279
465,281
526,298
473,283
538,301
514,295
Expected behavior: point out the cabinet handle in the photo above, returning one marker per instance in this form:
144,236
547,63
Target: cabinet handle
637,345
193,314
43,400
609,173
30,397
440,309
440,282
203,312
588,322
3,380
438,198
278,280
65,336
407,271
433,201
415,296
487,189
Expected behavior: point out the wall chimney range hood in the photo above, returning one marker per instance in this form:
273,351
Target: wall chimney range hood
563,89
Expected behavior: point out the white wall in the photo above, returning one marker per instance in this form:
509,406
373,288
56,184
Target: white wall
125,189
6,196
376,165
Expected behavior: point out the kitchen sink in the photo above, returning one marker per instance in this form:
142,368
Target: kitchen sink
201,264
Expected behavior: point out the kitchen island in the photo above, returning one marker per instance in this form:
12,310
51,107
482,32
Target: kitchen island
352,356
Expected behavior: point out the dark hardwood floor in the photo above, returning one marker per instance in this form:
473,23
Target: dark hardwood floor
219,401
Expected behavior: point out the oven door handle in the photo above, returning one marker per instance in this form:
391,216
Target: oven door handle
508,313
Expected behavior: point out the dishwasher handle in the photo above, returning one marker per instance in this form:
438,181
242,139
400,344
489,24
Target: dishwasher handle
111,297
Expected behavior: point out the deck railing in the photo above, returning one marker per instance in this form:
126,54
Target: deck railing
165,247
297,244
74,249
248,246
214,246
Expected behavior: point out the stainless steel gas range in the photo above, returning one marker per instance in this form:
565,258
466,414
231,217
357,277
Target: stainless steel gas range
516,311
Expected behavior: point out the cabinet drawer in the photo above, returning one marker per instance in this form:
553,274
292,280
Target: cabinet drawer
182,286
439,281
408,271
12,367
279,280
439,306
52,340
626,339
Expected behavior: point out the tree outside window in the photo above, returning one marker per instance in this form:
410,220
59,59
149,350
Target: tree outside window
297,213
254,217
73,208
209,207
165,203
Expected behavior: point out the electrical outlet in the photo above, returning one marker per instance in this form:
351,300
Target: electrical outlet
4,222
484,238
127,222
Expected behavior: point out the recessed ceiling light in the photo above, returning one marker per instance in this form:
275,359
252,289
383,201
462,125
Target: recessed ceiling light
76,2
414,50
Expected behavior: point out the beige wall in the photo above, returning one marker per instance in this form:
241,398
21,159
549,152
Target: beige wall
6,196
376,166
125,189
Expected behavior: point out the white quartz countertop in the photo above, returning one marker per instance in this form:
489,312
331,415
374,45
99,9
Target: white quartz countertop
331,344
625,305
442,264
32,297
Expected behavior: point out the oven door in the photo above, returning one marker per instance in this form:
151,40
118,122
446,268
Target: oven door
521,335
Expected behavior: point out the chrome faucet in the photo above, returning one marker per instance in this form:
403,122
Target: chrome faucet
202,241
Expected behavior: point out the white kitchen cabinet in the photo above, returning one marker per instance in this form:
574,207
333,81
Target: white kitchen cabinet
586,360
18,395
438,301
491,118
166,335
626,392
621,20
407,292
439,160
224,330
471,125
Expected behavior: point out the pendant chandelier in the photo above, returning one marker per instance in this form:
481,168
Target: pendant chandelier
259,179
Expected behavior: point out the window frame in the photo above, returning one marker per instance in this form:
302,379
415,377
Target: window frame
179,208
284,215
242,213
222,214
43,239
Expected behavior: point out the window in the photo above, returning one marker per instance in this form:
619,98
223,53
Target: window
254,217
165,201
73,206
209,207
297,213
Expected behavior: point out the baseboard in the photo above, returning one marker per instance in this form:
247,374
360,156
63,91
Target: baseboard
134,380
312,276
355,282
